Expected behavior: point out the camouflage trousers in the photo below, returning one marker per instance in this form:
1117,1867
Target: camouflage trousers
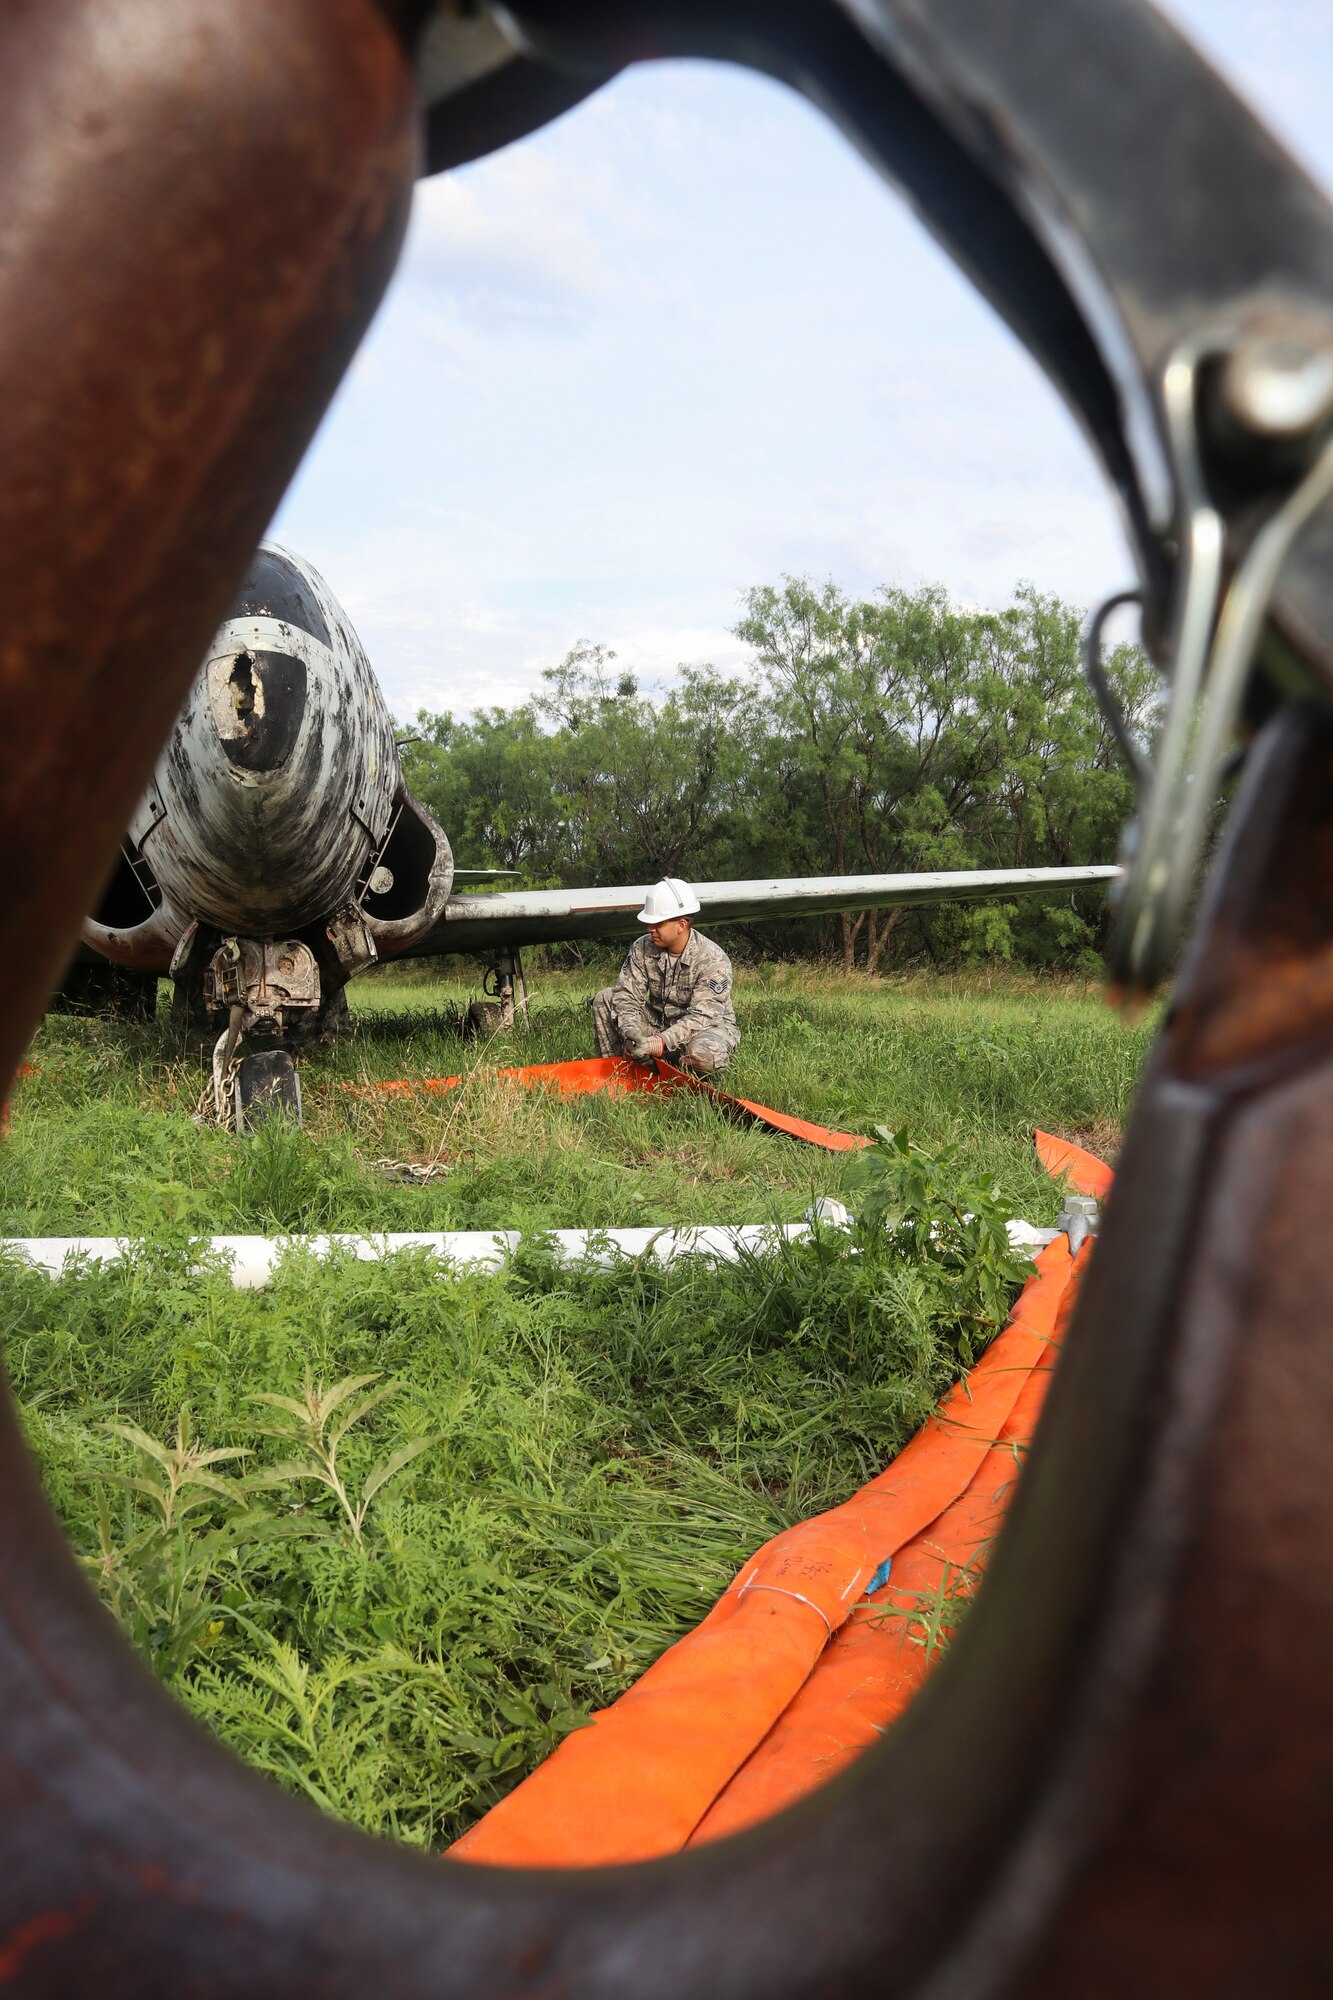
705,1053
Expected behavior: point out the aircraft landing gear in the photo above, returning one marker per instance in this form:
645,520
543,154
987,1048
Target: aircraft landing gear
266,1086
250,1088
271,990
507,998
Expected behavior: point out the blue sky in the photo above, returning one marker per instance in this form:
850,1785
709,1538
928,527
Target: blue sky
684,341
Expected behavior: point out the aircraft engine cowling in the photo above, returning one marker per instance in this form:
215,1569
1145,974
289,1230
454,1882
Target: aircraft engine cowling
406,891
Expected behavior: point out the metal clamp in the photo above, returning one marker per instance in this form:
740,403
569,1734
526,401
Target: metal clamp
224,980
1080,1218
1211,643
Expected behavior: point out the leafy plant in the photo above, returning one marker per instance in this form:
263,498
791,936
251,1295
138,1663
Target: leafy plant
951,1229
538,1718
165,1579
318,1728
311,1422
176,1479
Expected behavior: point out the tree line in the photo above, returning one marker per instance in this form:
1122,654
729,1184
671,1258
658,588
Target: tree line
871,735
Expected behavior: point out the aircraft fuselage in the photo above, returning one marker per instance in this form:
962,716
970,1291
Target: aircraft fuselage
276,815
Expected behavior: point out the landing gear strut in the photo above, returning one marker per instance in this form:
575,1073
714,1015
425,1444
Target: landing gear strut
507,1002
268,986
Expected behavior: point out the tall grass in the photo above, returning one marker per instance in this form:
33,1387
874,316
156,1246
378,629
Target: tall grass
102,1140
570,1464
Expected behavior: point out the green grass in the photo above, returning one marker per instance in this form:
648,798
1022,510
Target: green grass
585,1458
102,1139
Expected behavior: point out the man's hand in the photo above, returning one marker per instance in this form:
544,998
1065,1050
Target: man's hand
646,1051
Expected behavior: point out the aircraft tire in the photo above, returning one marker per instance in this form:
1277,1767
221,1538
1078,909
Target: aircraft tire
266,1086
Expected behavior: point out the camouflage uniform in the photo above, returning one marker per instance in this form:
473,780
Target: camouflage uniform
686,1000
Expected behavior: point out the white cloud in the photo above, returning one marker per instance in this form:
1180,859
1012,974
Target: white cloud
507,239
680,342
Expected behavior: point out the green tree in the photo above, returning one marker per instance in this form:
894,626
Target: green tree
882,735
870,697
937,738
490,783
645,787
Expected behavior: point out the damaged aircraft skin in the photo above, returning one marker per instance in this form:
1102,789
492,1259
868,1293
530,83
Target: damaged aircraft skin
277,852
277,811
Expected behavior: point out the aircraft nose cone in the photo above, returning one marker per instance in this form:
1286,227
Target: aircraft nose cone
258,701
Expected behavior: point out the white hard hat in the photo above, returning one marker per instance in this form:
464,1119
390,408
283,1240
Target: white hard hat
667,900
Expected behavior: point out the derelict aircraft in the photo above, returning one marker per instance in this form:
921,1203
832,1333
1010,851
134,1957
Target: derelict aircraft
277,851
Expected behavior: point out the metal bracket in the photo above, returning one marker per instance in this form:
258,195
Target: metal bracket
1080,1218
1212,638
352,942
225,978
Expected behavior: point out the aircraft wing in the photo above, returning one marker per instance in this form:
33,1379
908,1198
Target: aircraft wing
514,918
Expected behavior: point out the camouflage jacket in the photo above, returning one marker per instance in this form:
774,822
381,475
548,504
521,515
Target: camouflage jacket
676,998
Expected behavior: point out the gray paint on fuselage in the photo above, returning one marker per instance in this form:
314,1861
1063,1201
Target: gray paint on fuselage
259,851
279,585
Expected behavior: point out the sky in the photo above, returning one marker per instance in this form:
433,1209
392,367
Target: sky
681,343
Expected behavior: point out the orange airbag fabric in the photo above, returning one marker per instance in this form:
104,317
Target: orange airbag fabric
620,1074
874,1665
1084,1172
661,1765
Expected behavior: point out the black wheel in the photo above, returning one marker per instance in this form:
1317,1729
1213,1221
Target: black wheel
267,1086
484,1019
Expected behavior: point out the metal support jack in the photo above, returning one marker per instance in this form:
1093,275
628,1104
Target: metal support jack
506,1004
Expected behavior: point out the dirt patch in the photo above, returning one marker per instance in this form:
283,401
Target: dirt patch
1103,1138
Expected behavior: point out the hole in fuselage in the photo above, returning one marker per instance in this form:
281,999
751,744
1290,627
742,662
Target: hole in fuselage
243,688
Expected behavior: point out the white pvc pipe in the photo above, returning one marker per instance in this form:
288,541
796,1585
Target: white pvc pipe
254,1259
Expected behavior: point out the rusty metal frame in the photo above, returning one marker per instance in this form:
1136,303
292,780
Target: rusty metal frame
1122,1777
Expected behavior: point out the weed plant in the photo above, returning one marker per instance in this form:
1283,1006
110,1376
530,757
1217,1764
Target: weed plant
102,1141
393,1535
